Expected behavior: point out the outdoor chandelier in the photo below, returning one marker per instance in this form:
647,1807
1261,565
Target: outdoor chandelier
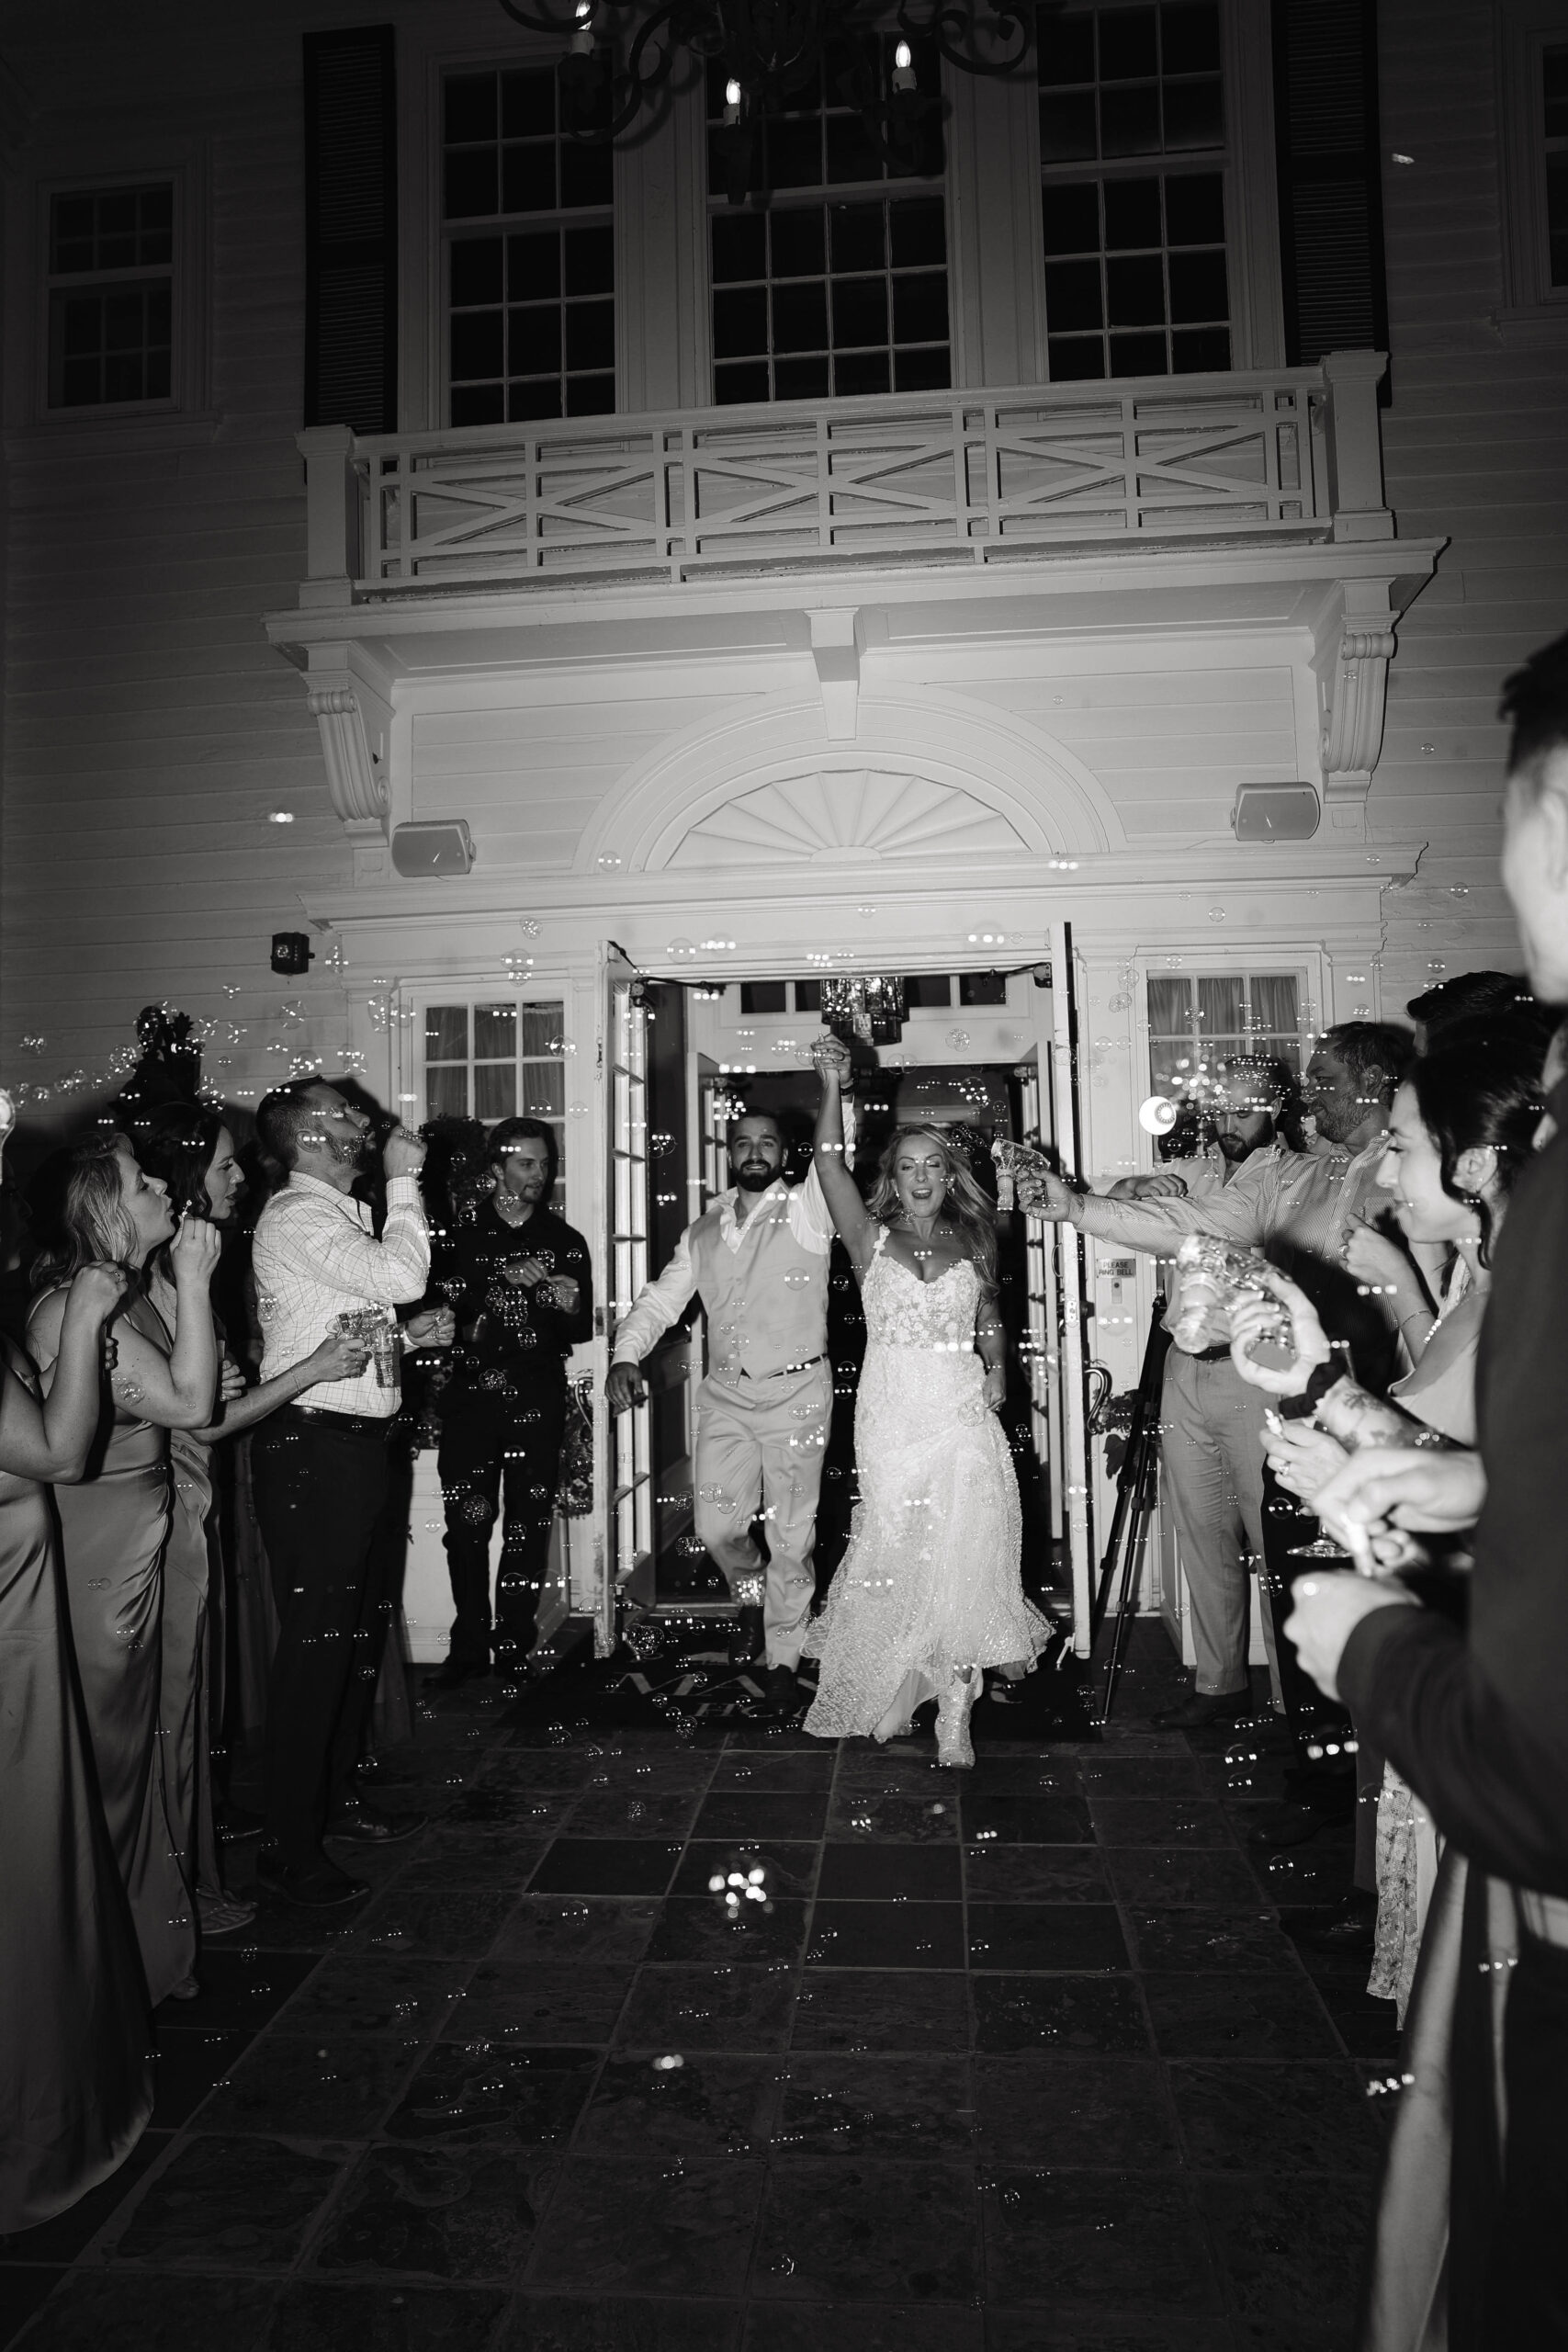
624,55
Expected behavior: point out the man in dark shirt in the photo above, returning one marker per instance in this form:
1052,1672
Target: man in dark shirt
1477,1721
521,1289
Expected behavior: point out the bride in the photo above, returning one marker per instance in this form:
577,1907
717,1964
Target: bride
928,1591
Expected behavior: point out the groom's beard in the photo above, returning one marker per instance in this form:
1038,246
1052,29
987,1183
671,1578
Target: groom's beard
753,1177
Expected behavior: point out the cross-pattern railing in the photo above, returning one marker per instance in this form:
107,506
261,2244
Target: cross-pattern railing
943,478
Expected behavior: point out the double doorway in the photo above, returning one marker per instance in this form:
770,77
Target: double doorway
988,1054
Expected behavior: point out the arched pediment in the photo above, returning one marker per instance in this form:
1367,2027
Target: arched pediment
929,779
845,816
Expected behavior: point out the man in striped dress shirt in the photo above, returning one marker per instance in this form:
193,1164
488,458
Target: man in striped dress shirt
320,1466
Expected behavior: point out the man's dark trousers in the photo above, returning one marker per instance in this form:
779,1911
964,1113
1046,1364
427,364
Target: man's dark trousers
500,1450
319,1482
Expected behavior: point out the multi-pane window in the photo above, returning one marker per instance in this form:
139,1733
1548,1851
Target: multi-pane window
497,1059
531,299
1555,79
111,253
1131,113
1197,1021
837,283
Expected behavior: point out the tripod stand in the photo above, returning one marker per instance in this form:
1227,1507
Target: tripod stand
1135,1486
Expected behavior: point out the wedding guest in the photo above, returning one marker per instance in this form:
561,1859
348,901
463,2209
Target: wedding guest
75,2037
114,1525
1474,2215
191,1151
319,1467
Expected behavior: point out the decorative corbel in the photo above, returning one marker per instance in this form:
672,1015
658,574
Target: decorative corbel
836,650
354,715
1354,651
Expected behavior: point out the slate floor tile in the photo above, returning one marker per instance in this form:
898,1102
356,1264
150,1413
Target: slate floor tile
545,2322
1062,2013
758,1774
1019,1936
1121,2241
224,2202
155,2311
467,2215
741,1813
603,1928
545,1771
337,2088
1205,1939
745,1934
878,1820
241,1990
1151,1820
1286,2250
1018,1818
606,1866
1173,1775
677,2227
62,2239
474,2094
870,2009
1025,2331
188,2065
1240,2116
312,2316
24,2287
866,2108
463,1860
679,2009
787,1868
1074,2112
891,1771
1239,2017
548,2002
890,1873
876,2232
632,1813
1035,1874
377,1995
847,2327
709,2105
1145,1874
885,1935
458,1923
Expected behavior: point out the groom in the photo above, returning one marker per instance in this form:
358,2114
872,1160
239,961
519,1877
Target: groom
757,1258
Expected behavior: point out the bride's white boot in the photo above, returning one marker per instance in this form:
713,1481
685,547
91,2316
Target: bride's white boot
953,1745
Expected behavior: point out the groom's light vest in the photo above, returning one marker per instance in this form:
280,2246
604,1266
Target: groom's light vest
766,1302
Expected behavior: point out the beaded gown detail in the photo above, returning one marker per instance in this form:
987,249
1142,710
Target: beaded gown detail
930,1584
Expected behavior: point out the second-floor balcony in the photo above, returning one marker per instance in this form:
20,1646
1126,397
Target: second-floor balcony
951,480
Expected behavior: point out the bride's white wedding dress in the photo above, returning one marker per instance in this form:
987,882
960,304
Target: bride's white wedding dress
929,1587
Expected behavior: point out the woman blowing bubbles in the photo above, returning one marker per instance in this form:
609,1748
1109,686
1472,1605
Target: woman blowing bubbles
929,1593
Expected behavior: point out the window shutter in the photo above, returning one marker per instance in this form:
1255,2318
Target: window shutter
351,230
1326,132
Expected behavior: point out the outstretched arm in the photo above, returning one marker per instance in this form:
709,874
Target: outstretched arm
856,1227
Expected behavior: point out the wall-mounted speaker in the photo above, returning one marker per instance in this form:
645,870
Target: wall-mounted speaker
1275,813
445,848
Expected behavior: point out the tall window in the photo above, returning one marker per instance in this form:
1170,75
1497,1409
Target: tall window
837,283
531,296
1197,1021
1555,79
1132,150
111,257
497,1059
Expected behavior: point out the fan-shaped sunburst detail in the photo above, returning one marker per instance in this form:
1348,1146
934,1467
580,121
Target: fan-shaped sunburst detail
847,815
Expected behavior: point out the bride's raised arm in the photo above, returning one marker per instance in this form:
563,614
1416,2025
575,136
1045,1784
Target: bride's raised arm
856,1229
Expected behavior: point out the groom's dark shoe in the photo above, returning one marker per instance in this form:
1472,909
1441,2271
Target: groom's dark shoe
746,1636
782,1698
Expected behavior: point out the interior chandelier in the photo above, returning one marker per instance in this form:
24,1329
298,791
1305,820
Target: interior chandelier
622,55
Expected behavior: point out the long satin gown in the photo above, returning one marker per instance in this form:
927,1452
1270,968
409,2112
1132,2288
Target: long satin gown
185,1703
75,2038
929,1584
114,1531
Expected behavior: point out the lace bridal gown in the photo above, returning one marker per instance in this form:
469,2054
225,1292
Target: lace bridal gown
929,1590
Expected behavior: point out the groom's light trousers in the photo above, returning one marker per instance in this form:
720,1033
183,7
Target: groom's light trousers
759,1445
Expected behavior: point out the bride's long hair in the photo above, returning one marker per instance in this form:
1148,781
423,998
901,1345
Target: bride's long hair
965,1204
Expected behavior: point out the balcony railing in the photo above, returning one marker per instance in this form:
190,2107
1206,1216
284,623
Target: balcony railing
950,479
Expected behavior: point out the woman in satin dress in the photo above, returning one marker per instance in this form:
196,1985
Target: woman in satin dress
75,2037
114,1525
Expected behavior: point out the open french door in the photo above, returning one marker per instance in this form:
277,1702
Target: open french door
1063,1303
